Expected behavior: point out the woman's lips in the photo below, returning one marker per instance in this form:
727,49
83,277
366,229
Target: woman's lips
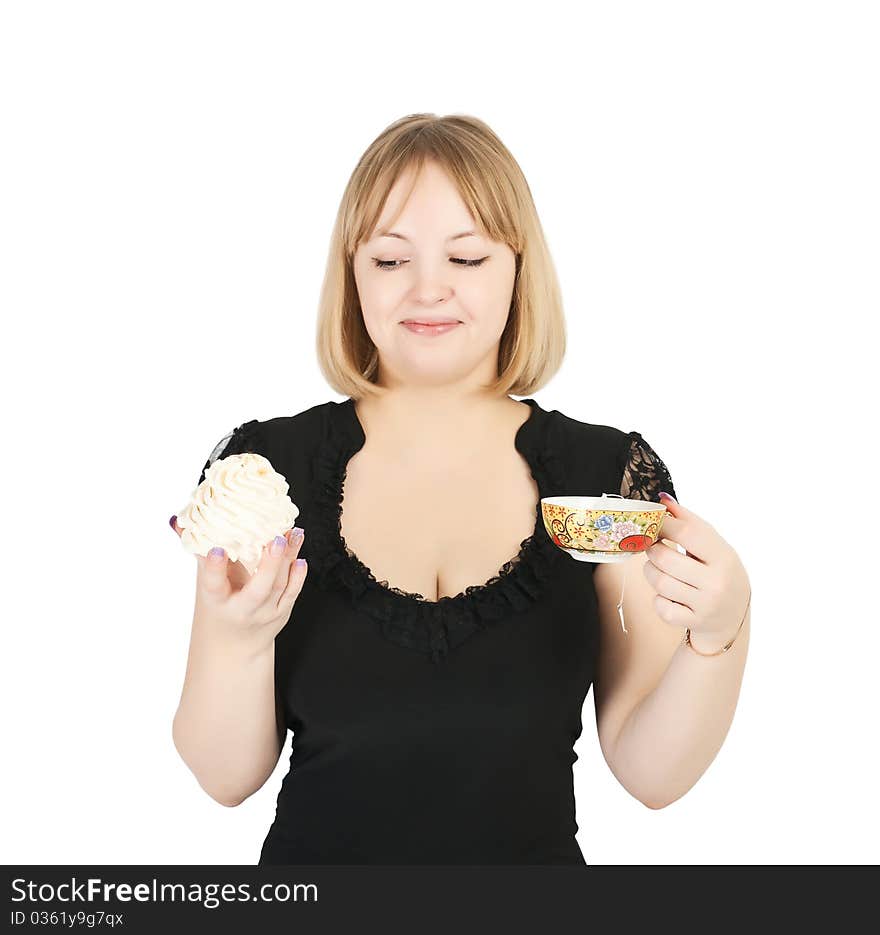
422,328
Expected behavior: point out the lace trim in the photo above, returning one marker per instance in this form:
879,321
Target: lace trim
644,474
408,618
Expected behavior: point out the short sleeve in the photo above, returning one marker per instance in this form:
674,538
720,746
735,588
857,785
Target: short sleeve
242,438
643,474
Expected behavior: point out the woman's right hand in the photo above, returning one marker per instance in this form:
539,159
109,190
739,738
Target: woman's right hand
249,608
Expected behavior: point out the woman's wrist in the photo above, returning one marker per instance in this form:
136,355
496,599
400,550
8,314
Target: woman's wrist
231,646
707,644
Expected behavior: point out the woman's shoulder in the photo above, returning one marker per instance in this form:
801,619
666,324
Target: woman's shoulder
307,424
286,440
581,441
597,435
609,459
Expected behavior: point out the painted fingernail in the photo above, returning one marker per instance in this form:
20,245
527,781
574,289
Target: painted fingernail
668,496
300,563
171,521
279,543
216,552
296,535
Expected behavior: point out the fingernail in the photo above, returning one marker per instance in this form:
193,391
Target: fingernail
300,562
171,521
216,552
296,535
279,543
668,496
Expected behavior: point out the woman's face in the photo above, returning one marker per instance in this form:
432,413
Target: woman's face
424,274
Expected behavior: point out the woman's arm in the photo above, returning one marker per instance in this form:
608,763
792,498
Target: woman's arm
663,709
228,728
675,732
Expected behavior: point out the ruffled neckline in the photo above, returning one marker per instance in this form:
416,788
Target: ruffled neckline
407,618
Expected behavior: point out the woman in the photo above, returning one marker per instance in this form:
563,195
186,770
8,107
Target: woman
433,652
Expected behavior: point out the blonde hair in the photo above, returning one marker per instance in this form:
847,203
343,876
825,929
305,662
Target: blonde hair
495,191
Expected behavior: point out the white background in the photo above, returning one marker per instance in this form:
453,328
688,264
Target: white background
706,174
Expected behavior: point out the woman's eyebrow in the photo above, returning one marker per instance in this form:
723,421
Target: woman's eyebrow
384,233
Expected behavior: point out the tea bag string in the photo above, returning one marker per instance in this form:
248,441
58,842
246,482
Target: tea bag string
627,562
623,580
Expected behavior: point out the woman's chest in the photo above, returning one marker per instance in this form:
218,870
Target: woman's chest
437,529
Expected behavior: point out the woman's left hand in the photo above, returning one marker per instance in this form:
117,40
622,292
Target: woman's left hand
706,590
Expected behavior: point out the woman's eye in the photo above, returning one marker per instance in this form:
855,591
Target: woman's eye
396,264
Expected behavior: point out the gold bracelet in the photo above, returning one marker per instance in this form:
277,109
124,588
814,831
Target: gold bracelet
728,644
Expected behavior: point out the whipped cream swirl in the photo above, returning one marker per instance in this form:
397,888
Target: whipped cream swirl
241,505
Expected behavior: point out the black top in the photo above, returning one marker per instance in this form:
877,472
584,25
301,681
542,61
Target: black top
436,732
